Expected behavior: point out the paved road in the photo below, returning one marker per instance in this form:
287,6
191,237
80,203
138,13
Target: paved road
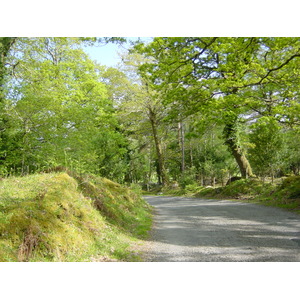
188,229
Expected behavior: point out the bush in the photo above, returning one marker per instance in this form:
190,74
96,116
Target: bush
186,179
193,188
290,187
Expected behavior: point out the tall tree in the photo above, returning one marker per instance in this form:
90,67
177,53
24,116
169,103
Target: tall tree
144,110
59,108
224,77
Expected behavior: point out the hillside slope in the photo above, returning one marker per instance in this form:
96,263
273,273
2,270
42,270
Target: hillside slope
66,217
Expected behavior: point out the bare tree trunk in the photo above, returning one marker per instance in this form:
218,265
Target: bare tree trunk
161,171
201,179
150,168
181,145
213,181
191,155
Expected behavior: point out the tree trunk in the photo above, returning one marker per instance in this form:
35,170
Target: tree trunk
161,171
242,161
191,155
150,166
5,45
230,135
181,145
213,181
201,179
158,172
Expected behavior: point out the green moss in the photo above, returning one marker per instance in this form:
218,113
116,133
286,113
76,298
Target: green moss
285,195
290,187
55,217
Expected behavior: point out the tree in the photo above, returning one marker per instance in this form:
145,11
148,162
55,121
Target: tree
225,78
6,44
59,109
141,110
232,140
267,152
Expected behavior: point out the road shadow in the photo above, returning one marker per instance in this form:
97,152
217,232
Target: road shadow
187,229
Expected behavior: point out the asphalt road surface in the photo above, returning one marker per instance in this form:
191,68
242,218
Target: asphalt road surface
198,230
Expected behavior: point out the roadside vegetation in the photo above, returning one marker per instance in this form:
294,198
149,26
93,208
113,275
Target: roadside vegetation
282,192
66,217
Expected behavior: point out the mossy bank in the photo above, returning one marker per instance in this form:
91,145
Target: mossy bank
67,217
283,193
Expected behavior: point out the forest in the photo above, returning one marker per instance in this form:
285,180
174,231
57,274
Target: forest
178,111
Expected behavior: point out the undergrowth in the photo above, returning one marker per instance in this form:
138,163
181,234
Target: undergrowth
67,217
285,194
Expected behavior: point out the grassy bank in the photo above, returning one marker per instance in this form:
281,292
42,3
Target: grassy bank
284,193
66,217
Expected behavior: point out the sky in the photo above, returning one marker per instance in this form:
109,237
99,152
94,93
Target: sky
108,54
105,55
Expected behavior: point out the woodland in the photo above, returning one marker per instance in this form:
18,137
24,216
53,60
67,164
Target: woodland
178,111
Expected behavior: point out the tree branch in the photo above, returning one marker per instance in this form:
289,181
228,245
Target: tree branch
279,67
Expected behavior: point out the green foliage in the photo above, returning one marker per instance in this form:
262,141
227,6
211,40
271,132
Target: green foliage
210,156
267,152
59,111
55,217
187,179
292,152
244,78
290,187
249,187
284,194
192,188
